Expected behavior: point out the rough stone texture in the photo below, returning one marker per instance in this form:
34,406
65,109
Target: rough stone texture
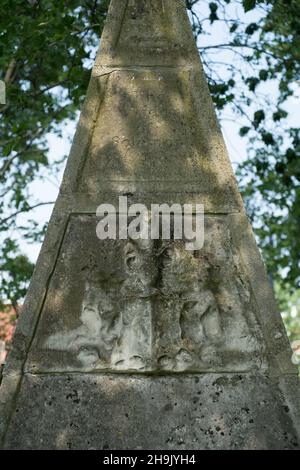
147,305
143,344
211,411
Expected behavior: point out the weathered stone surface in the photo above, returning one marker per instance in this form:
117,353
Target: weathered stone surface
164,144
209,411
143,344
147,305
147,33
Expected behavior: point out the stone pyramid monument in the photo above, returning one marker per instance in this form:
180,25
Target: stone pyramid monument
142,344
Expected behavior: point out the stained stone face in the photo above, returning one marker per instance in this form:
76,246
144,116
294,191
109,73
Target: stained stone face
133,344
159,138
210,411
147,306
146,33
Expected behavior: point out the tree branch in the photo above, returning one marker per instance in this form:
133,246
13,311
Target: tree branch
11,216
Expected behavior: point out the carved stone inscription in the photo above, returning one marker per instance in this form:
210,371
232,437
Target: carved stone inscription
148,305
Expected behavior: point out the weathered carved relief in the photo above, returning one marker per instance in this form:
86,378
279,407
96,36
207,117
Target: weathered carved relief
154,306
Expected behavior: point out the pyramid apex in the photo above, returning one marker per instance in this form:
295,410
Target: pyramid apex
147,33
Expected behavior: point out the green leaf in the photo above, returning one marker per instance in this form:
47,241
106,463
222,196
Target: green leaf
252,83
249,5
251,28
244,131
233,27
259,116
279,114
213,7
213,12
268,138
263,74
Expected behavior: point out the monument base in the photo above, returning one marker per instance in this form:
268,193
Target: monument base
114,411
